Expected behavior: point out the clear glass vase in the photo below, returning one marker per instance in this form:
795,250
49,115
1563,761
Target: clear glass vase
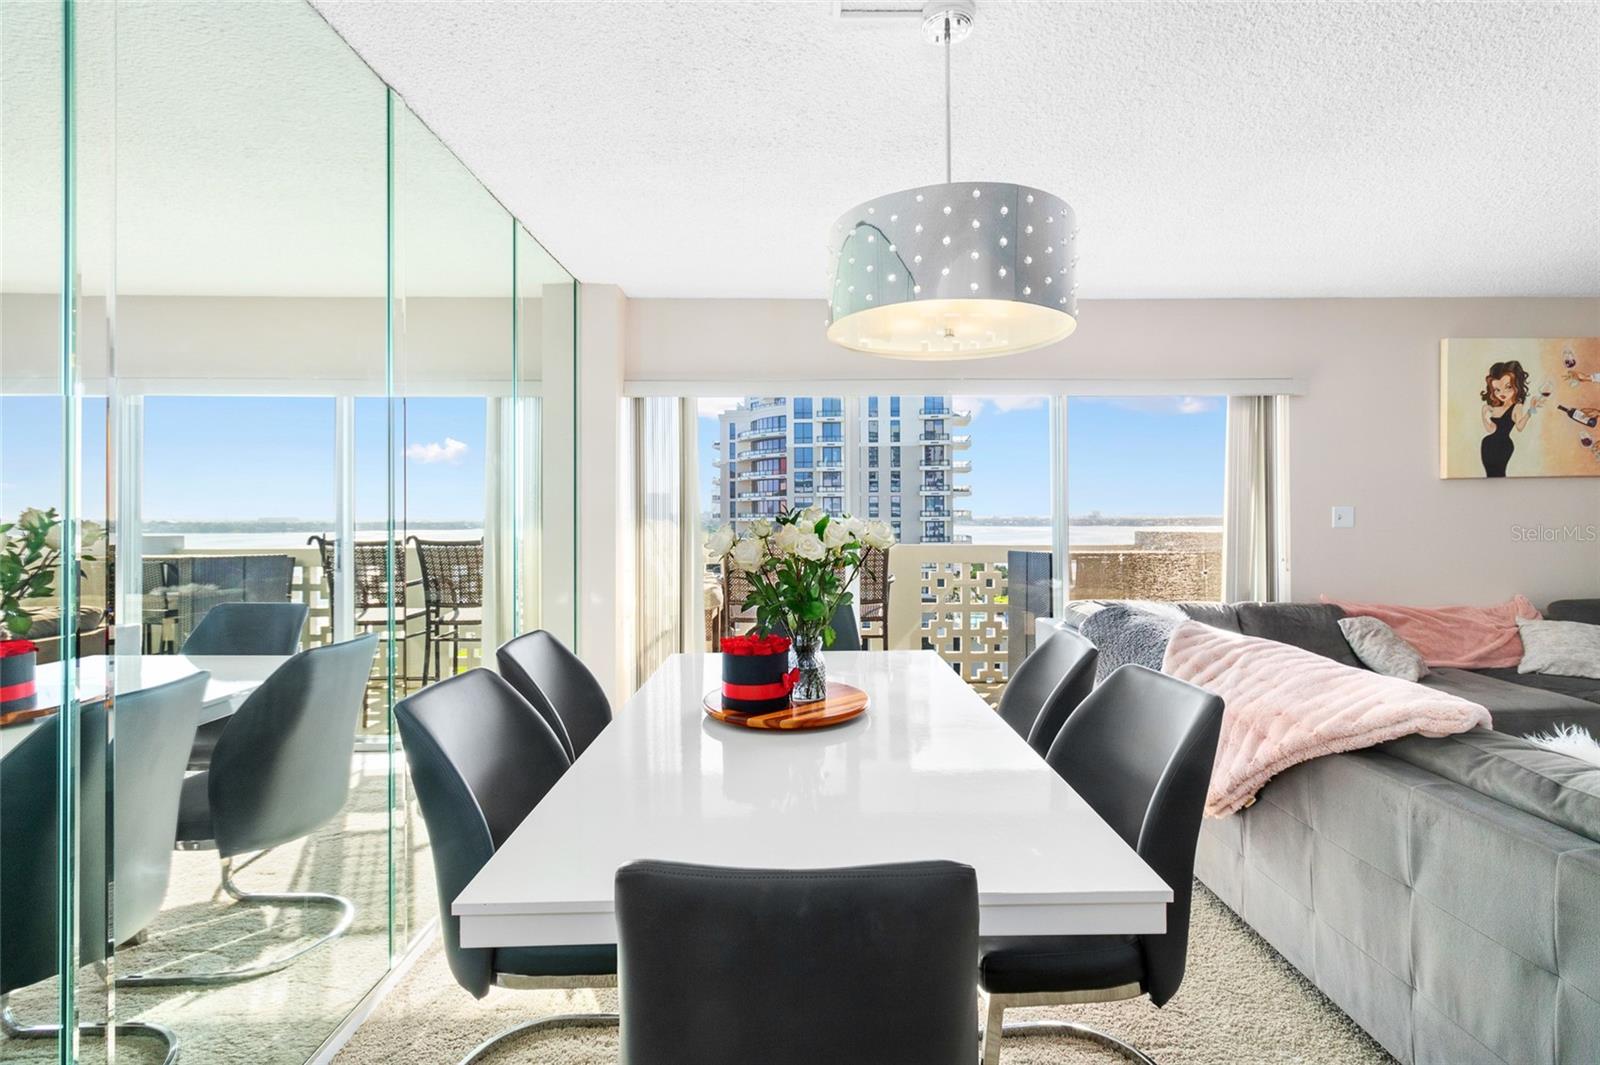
805,658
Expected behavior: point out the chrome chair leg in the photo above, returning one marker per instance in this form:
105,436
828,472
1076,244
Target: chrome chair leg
1078,1031
544,1024
14,1029
347,916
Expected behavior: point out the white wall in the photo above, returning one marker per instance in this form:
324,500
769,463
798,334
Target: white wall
1363,433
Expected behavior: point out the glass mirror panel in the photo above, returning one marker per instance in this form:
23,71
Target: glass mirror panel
250,318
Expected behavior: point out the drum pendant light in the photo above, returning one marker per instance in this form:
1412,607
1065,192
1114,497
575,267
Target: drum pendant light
961,270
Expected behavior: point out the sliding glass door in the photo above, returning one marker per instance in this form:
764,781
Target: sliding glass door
272,392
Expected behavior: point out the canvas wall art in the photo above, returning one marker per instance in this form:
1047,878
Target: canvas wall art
1519,408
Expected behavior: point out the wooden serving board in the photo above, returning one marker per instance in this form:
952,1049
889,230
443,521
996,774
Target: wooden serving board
843,703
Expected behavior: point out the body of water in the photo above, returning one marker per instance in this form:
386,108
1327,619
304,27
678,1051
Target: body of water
1078,534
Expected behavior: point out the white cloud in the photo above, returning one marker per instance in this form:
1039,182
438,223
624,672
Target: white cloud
711,406
998,404
451,451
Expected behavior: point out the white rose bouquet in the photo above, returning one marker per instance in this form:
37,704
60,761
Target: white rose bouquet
801,564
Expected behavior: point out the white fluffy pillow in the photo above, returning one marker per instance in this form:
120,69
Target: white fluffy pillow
1381,649
1567,648
1571,740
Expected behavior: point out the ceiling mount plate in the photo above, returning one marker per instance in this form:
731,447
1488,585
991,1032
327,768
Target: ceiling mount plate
948,21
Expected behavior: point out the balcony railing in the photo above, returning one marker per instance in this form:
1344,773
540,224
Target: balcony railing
955,598
760,434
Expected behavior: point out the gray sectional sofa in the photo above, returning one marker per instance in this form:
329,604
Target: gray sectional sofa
1445,893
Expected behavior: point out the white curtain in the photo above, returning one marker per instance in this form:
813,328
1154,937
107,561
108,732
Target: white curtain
1255,530
660,619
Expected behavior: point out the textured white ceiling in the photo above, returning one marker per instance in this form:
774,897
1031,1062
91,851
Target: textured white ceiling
1210,149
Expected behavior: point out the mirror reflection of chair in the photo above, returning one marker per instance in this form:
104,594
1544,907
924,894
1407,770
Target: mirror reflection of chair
29,776
558,685
481,759
280,771
369,588
241,629
452,591
1047,687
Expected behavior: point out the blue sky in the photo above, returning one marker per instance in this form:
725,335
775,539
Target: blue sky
232,458
1144,455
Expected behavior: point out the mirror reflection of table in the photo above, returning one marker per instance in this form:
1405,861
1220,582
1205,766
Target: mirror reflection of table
233,677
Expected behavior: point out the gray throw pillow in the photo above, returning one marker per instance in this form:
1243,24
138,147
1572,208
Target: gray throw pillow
1569,648
1124,634
1381,650
1308,626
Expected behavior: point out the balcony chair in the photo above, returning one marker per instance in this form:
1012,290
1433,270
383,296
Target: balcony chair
241,629
1047,687
280,771
452,594
370,591
1139,750
876,582
557,684
155,727
736,586
481,759
733,966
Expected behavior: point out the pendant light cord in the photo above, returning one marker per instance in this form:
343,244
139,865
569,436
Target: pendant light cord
948,42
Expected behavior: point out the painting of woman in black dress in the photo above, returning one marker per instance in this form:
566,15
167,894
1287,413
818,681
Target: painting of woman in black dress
1506,409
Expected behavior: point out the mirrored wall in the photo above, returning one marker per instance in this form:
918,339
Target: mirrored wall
277,449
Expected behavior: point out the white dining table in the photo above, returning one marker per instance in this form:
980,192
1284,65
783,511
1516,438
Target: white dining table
929,771
233,678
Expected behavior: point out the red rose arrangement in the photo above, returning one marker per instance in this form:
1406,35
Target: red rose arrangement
756,645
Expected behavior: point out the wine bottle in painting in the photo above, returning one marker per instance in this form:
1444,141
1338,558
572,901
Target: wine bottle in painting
1582,417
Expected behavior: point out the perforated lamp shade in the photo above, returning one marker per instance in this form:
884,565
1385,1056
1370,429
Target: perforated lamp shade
955,271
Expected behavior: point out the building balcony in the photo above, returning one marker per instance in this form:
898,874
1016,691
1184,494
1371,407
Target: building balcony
936,464
746,497
829,416
756,475
956,440
957,417
945,489
750,454
821,465
763,404
762,434
946,515
961,466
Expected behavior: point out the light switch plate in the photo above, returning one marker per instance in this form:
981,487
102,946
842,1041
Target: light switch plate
1344,517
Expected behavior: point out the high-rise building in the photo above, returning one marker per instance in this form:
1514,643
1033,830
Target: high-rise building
891,458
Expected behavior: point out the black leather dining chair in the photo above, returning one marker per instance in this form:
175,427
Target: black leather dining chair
248,629
241,629
481,758
793,967
1139,751
558,685
1047,687
29,840
281,770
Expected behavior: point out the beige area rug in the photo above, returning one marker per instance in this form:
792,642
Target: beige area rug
1240,1004
282,1018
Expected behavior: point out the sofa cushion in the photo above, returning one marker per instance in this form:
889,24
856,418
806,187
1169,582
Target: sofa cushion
1309,626
1564,648
1551,786
1517,708
1577,687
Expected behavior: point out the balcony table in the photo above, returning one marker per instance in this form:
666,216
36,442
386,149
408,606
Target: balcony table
233,677
930,771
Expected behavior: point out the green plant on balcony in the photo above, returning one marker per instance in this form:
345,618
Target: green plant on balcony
29,559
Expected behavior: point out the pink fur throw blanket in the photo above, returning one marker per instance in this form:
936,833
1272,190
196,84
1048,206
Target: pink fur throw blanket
1467,637
1284,706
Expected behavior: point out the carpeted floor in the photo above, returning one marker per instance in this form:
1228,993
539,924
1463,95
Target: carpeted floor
1240,1004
